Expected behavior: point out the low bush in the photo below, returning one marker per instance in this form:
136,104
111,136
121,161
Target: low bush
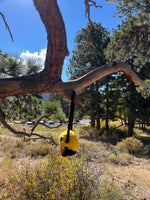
130,145
56,178
38,149
121,159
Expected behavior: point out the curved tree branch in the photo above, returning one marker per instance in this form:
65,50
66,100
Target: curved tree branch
96,74
24,133
102,71
7,26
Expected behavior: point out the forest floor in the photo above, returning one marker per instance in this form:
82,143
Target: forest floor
130,174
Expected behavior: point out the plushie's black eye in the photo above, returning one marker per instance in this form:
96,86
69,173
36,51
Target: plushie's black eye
61,138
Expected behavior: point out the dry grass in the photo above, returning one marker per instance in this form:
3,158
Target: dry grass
133,181
118,175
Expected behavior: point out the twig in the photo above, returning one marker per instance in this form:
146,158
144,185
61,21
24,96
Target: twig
87,8
41,137
7,26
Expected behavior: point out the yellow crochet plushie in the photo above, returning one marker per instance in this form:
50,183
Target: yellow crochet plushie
70,148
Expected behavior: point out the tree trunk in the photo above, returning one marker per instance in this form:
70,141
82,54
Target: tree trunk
107,108
98,124
131,116
130,127
92,119
107,123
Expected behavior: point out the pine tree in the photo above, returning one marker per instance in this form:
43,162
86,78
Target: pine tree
130,44
88,55
23,107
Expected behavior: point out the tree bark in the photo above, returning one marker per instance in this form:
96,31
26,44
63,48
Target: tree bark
92,118
98,124
130,123
131,116
107,107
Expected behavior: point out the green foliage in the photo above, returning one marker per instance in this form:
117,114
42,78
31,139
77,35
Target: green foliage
53,110
15,66
10,66
145,92
50,107
33,66
130,145
131,38
25,107
130,44
65,104
88,54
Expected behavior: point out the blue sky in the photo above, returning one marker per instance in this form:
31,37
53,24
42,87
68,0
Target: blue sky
29,34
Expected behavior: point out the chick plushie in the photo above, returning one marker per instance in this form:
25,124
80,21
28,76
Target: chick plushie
70,148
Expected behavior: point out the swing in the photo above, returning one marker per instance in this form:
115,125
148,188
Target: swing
68,140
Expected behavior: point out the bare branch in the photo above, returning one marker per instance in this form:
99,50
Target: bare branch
48,139
43,124
40,119
51,127
38,83
24,133
98,73
88,4
7,26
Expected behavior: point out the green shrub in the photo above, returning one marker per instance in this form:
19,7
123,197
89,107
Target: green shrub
130,145
56,178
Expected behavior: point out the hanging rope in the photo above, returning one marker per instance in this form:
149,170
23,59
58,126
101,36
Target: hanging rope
68,140
70,122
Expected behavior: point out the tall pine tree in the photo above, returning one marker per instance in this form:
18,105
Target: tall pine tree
88,54
130,44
